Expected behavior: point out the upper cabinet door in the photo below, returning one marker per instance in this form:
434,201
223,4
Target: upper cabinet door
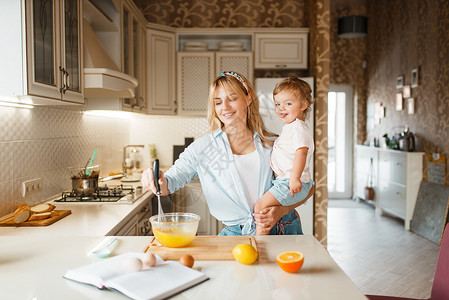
195,74
281,50
134,61
44,75
161,72
54,49
240,62
72,58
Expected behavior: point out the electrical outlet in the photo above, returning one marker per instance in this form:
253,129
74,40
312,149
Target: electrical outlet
31,186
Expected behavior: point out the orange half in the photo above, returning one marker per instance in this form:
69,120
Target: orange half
290,261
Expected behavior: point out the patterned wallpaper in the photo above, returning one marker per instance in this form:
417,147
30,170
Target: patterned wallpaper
403,35
224,13
347,57
314,14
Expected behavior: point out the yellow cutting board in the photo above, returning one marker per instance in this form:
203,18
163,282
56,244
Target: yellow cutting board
55,216
202,247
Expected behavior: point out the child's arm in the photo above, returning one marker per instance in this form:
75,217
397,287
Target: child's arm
298,166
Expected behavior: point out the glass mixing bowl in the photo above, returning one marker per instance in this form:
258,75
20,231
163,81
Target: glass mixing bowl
178,229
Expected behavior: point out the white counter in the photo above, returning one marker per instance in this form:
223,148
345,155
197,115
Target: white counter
32,268
92,219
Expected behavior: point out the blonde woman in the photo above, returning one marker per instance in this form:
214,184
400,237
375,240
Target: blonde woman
232,162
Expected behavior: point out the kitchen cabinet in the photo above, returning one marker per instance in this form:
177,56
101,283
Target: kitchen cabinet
44,53
134,55
397,177
137,223
129,229
161,79
196,71
286,50
191,199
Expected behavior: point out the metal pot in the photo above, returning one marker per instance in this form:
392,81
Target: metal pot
85,186
85,180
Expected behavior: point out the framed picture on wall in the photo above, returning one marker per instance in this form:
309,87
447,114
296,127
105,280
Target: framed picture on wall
410,106
400,81
406,91
398,103
415,78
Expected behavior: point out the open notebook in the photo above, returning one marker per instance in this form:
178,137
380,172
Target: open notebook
165,279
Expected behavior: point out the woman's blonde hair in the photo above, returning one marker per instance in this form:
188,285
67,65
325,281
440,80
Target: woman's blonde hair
300,88
233,82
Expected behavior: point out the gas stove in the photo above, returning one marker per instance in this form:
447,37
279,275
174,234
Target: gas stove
126,194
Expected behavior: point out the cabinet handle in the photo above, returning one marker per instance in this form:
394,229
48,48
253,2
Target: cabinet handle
280,66
65,80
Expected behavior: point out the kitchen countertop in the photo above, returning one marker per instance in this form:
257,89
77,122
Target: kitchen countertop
93,219
33,267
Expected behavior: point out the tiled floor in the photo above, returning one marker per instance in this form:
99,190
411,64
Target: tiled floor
377,253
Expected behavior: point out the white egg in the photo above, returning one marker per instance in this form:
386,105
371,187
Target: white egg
149,260
132,264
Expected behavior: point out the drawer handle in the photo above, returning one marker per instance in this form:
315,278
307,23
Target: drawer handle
280,66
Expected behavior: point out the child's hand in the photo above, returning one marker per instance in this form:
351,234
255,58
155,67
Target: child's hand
295,187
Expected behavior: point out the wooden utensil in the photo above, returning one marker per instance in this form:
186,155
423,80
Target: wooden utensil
202,247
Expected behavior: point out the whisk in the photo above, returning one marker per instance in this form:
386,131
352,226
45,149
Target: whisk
160,212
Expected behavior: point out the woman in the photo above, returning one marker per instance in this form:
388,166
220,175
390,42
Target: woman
232,162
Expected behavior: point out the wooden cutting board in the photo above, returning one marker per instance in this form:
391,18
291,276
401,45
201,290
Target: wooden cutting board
55,216
202,247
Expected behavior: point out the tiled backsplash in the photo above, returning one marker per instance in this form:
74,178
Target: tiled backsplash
164,132
43,142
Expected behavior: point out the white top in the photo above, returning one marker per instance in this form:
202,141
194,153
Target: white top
293,136
248,168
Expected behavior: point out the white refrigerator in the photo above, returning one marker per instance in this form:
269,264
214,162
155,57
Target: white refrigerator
264,88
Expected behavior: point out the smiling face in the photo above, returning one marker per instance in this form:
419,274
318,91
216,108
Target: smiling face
230,108
288,106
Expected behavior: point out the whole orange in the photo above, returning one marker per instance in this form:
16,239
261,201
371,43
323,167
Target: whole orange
290,261
245,254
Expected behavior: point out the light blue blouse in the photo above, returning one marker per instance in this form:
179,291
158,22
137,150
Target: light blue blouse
211,159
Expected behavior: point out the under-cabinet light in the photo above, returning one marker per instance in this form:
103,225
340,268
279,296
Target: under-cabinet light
13,104
109,114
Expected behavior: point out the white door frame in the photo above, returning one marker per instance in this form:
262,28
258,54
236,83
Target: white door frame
347,89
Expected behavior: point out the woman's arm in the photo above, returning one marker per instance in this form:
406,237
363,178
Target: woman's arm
268,217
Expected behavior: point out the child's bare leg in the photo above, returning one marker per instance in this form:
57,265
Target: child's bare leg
267,200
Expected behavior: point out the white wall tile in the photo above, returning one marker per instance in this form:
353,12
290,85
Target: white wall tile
44,142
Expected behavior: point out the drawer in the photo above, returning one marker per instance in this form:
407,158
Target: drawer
392,198
393,167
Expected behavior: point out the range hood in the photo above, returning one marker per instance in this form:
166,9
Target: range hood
102,77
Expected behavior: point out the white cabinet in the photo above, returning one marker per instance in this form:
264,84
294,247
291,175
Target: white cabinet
197,70
400,175
397,177
134,55
191,199
286,50
44,50
161,72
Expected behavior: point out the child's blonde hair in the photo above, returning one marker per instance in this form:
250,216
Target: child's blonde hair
233,82
300,88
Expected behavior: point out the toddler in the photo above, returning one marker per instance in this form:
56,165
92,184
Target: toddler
292,150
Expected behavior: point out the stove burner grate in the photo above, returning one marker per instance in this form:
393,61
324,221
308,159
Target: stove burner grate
103,194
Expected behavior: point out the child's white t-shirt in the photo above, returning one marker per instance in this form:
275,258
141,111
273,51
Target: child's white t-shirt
293,136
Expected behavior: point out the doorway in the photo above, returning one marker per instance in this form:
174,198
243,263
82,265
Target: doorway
340,123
